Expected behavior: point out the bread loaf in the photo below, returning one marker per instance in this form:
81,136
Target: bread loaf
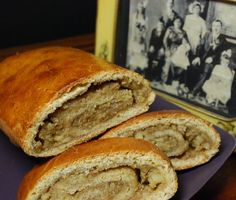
187,140
113,168
53,98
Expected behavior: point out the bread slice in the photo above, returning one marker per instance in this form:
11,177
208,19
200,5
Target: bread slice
55,97
187,140
113,168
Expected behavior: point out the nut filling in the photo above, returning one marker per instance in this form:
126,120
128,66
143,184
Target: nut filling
83,115
174,140
122,183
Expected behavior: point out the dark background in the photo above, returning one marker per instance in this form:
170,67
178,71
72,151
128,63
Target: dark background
26,21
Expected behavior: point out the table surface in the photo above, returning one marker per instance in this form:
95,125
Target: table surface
222,186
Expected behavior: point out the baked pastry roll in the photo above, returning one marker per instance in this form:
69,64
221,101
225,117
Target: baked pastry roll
113,168
53,98
187,140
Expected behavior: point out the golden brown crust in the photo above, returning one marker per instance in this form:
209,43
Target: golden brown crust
85,151
30,81
23,91
178,114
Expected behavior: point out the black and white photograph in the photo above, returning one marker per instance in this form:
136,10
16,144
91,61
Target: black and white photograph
186,49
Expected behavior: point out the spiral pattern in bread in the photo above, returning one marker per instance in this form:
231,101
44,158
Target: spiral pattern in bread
187,140
113,168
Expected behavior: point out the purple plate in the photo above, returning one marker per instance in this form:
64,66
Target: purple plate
14,164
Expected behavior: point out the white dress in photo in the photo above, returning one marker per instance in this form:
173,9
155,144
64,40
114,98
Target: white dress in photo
137,57
196,29
180,56
218,86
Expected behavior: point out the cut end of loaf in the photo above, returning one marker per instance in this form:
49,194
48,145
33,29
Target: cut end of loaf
114,168
88,111
55,97
187,140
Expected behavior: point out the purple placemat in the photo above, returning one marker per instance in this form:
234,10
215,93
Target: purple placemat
14,164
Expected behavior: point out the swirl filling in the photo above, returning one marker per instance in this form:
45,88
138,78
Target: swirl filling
176,140
101,104
119,183
122,183
187,143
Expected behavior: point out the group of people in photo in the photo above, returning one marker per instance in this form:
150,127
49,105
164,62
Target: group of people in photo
188,56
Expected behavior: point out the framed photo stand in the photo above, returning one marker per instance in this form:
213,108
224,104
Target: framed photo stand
185,48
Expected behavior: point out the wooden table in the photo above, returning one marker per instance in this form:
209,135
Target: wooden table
222,186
